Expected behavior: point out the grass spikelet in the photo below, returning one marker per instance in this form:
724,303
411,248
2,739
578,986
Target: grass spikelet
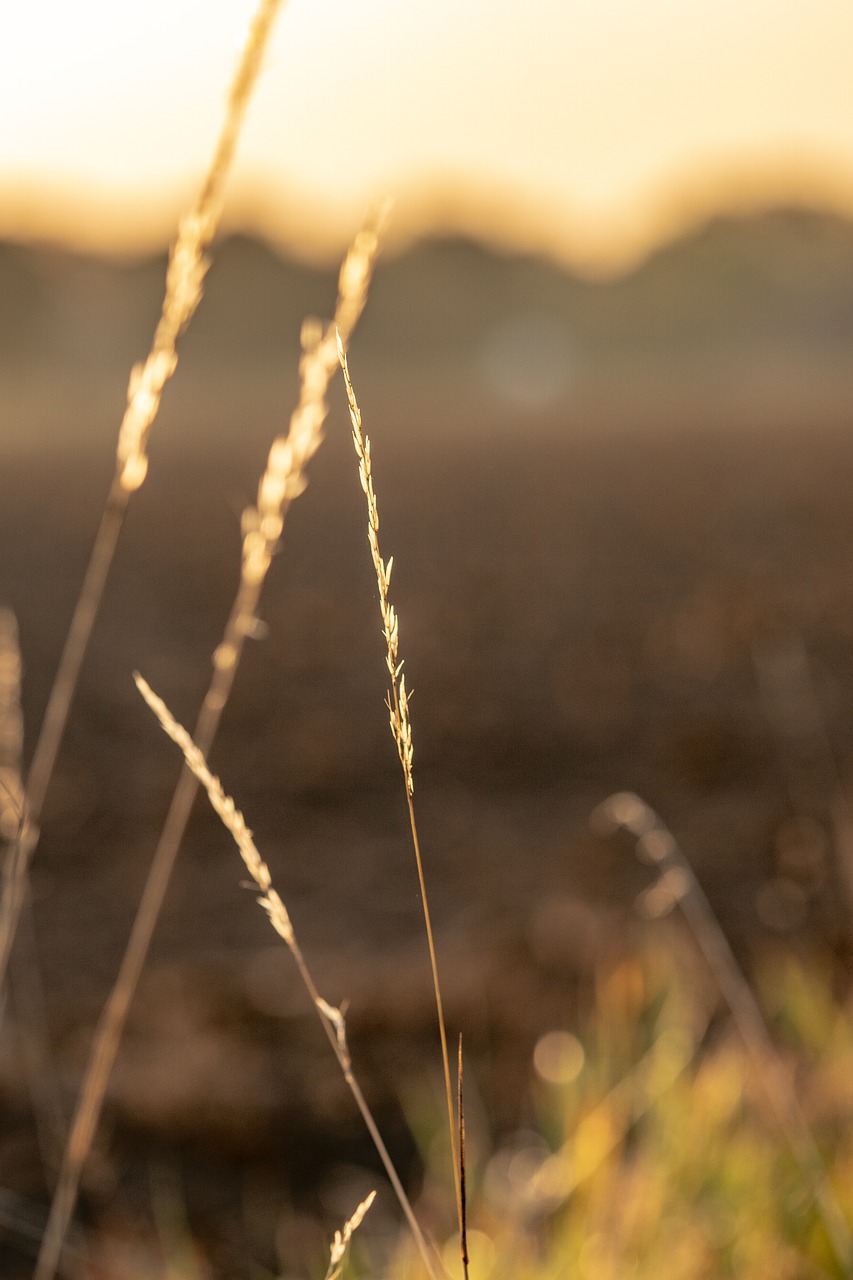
331,1017
283,480
285,476
184,280
188,263
401,730
398,702
340,1244
225,808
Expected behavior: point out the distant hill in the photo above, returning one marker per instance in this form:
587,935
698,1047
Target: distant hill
747,319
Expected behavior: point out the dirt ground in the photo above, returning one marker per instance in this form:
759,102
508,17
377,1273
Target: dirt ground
666,614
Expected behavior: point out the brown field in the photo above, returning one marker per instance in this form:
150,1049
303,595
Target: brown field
587,603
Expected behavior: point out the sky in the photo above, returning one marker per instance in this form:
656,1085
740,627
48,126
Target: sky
589,129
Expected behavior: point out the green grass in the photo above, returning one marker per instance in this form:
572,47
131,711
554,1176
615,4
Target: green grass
655,1155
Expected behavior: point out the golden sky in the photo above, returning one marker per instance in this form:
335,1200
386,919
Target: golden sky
588,127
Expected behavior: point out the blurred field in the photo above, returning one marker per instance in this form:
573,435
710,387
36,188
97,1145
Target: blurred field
621,523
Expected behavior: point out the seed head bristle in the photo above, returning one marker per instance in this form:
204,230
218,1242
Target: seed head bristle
188,265
397,702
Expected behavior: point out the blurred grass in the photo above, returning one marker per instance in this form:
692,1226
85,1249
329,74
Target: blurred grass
648,1150
645,1148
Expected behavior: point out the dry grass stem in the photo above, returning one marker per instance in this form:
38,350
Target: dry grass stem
283,479
188,263
184,279
340,1244
25,977
677,884
285,476
11,728
331,1017
463,1207
401,730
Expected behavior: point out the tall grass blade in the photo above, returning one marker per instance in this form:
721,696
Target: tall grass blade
44,1089
331,1017
11,728
463,1200
184,280
401,731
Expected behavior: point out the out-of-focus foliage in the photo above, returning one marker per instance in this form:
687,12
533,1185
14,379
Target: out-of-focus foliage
650,1150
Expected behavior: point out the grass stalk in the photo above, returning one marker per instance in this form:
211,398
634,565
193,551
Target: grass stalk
24,977
463,1203
283,480
677,884
340,1244
11,728
401,730
331,1017
188,264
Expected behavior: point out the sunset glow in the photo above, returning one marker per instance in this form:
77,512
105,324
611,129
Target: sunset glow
587,131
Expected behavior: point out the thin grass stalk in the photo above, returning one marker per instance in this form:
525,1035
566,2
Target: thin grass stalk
44,1090
677,884
12,796
463,1204
283,480
340,1244
43,1083
25,979
187,267
401,730
11,728
332,1018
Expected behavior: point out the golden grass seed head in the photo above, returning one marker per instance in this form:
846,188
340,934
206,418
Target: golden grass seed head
277,912
340,1244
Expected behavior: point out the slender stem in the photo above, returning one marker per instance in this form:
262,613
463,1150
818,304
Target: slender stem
401,730
460,1111
331,1018
337,1040
18,858
439,1006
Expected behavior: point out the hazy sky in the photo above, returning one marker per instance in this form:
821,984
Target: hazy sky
588,126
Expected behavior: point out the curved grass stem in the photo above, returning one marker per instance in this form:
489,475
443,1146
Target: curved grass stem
401,730
332,1018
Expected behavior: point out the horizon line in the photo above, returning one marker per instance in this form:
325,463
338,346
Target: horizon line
136,227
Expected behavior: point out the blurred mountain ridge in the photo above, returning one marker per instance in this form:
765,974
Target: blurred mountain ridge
748,317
